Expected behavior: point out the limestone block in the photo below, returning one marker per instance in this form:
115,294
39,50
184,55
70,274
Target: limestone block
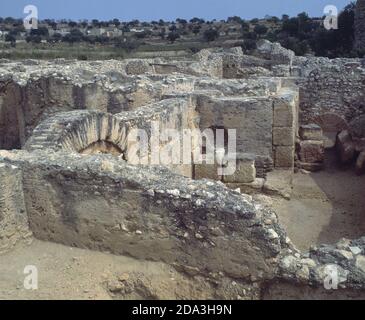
311,151
254,187
245,169
206,171
283,136
283,113
284,157
138,67
279,183
360,164
312,167
311,132
345,147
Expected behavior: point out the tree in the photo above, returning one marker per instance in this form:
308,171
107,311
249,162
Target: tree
116,22
33,38
260,29
84,23
134,23
196,29
197,20
182,22
235,19
95,23
143,35
126,29
57,37
248,45
41,31
274,19
74,36
173,36
173,28
211,35
162,34
72,24
10,38
245,26
9,20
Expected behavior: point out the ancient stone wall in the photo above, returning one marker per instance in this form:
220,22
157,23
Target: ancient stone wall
104,204
66,192
332,86
199,227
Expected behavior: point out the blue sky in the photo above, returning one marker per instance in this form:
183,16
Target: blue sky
147,10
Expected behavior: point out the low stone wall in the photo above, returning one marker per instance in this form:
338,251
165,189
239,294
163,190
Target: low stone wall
100,203
199,227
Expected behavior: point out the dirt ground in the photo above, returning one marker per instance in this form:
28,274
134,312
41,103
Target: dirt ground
325,206
66,273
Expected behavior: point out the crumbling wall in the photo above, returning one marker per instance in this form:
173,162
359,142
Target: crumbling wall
13,214
199,227
77,131
104,204
335,86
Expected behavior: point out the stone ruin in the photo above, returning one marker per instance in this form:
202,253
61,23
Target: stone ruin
68,175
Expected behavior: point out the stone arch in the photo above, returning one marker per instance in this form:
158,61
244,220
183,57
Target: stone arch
331,125
80,131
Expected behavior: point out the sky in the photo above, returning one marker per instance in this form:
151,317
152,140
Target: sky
148,10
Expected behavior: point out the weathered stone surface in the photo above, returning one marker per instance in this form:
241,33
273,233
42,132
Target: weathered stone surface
13,214
283,136
275,52
206,171
284,157
147,213
138,67
345,147
102,202
360,164
357,127
245,169
311,132
278,183
311,151
283,113
312,167
254,187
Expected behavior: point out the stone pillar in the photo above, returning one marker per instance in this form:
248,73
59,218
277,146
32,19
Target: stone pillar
285,128
360,25
13,216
